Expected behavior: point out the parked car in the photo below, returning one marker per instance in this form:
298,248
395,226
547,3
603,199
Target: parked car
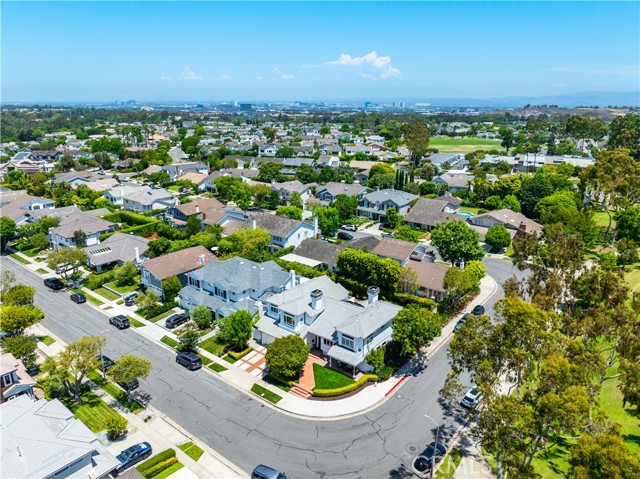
176,320
349,227
135,384
471,399
78,298
54,283
423,462
345,236
120,321
106,362
388,235
265,472
129,300
191,361
461,321
133,455
478,310
381,226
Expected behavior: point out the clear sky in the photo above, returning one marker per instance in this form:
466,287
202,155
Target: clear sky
86,51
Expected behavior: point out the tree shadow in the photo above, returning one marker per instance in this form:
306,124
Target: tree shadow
401,472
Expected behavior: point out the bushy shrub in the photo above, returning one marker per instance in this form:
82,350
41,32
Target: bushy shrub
404,299
158,468
157,459
94,281
345,389
116,427
156,310
240,354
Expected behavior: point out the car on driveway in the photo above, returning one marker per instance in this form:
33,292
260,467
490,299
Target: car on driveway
471,399
120,321
345,236
106,362
129,300
349,227
78,298
176,320
54,283
477,310
133,455
423,462
191,361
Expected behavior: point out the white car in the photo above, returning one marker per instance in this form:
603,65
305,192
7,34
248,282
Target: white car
471,399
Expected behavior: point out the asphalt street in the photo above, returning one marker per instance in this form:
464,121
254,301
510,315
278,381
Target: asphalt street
378,444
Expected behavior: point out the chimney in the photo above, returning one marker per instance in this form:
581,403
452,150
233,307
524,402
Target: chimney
523,227
260,310
292,278
372,294
316,300
197,209
201,259
137,252
316,230
253,223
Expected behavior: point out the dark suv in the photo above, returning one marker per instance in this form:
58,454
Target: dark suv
54,283
478,310
191,361
423,462
120,321
176,320
345,236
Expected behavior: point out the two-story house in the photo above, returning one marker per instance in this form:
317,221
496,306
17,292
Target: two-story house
149,199
178,264
284,231
321,313
117,194
176,170
16,381
286,188
268,150
235,284
332,189
65,234
374,205
18,205
426,213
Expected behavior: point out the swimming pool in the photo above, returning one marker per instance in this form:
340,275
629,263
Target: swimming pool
466,213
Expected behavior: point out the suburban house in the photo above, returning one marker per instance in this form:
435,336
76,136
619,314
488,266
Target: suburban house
179,263
448,160
426,213
398,250
353,149
63,234
204,208
321,312
176,170
42,439
268,150
455,180
374,205
320,254
430,279
285,189
235,284
117,194
18,205
284,231
149,199
509,219
16,381
115,250
61,212
45,155
332,189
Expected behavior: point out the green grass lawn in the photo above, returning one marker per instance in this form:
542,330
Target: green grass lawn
628,418
463,144
166,314
329,379
274,382
107,294
217,367
91,298
170,342
94,412
115,392
107,308
169,470
31,253
42,271
265,394
191,450
48,340
601,218
450,464
553,462
174,188
229,359
205,360
19,258
632,278
214,345
135,323
124,289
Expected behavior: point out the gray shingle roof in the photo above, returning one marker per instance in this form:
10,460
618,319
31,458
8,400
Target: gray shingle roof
400,198
327,253
117,247
429,211
83,222
239,274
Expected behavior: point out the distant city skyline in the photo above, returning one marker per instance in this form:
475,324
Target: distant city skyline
216,51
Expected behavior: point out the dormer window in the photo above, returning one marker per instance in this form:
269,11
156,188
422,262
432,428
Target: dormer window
348,342
288,320
7,380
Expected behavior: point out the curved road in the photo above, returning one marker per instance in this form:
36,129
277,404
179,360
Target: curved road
378,444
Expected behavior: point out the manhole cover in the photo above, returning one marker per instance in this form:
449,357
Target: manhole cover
412,449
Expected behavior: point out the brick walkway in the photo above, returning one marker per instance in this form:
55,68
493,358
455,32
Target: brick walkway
254,362
307,379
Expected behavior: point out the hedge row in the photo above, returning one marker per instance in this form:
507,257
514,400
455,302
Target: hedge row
157,310
325,393
142,230
241,354
158,468
281,379
129,218
404,299
157,459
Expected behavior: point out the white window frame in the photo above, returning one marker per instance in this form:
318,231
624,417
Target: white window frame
6,382
287,317
348,342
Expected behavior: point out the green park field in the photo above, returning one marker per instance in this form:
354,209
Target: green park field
463,145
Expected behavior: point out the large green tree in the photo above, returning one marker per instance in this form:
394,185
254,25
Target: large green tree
236,328
328,219
7,231
498,237
456,242
286,356
416,138
414,326
128,368
68,261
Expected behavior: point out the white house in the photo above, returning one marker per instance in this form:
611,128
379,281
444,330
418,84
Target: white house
17,205
149,200
63,234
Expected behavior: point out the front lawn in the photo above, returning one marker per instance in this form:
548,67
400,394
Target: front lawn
326,378
166,314
48,340
448,468
205,360
107,294
19,258
94,412
170,342
115,392
135,323
42,271
265,394
124,289
274,382
217,367
31,253
191,450
214,345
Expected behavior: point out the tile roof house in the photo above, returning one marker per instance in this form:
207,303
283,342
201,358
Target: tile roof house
430,279
374,205
209,211
235,284
16,381
321,313
43,439
321,254
179,263
117,249
332,189
426,213
509,219
63,234
18,205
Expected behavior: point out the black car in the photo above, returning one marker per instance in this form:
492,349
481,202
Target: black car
176,320
345,236
478,310
106,362
191,361
133,455
54,283
120,321
129,300
423,462
78,298
130,386
461,321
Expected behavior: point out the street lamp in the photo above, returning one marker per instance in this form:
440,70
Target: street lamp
104,376
435,451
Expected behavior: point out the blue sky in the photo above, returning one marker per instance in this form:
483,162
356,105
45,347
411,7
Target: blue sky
85,51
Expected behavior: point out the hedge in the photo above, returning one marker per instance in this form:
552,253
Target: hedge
404,299
280,379
157,310
325,393
158,468
299,268
142,230
157,459
241,354
129,218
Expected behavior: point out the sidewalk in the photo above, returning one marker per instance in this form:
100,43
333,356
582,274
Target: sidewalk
473,464
368,398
